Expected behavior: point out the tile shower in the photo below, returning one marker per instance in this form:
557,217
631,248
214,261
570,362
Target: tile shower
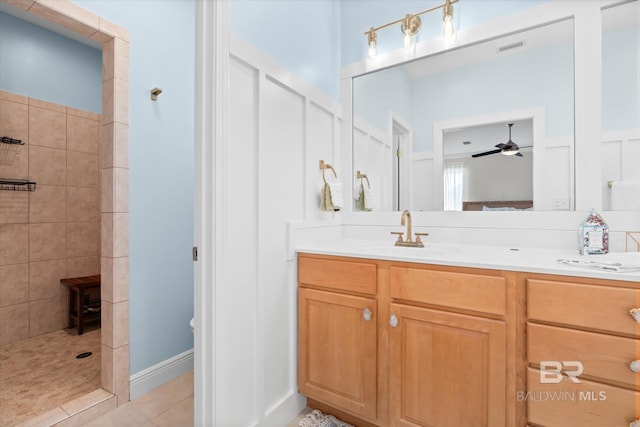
53,232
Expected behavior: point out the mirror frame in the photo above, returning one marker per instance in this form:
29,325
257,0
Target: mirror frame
587,17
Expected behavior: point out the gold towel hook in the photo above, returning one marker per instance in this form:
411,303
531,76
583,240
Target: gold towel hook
362,176
324,166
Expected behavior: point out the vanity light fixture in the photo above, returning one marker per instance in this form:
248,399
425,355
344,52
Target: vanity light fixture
410,25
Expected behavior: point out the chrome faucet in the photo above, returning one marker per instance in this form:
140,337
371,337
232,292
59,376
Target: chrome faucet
406,220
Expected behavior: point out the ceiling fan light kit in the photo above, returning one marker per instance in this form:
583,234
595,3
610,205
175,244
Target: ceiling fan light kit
508,149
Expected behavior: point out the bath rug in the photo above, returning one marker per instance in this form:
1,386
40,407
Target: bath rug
318,419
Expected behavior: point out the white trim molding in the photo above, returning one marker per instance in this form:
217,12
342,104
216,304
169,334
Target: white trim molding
154,376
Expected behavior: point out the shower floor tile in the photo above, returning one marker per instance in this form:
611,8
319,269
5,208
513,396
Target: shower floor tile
41,373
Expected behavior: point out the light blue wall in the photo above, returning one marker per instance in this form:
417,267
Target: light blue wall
41,64
539,78
161,150
377,95
304,36
315,38
620,79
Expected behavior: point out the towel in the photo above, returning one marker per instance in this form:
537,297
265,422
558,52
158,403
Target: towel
618,262
331,196
625,196
364,198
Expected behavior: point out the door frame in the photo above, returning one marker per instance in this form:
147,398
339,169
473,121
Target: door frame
211,94
75,22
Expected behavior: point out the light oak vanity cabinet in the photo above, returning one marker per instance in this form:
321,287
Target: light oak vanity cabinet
401,344
586,321
337,334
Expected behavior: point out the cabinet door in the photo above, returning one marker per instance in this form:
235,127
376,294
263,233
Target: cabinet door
446,369
337,357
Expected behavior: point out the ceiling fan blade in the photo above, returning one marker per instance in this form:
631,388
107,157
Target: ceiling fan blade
501,146
486,153
519,154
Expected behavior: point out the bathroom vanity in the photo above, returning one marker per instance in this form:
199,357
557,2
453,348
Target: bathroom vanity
452,336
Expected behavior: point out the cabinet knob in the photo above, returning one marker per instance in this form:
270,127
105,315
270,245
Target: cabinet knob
393,321
635,367
635,313
366,315
635,423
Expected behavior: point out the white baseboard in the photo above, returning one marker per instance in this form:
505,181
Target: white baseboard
284,412
146,380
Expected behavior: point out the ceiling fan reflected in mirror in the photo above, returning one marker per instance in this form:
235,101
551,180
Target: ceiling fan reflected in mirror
508,149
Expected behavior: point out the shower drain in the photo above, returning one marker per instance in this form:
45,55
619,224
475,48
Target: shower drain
83,355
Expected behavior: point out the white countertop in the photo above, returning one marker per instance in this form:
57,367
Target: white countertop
490,257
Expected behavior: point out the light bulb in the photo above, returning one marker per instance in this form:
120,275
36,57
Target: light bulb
447,28
447,17
406,40
372,38
372,50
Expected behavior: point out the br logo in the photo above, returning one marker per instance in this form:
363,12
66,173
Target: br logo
551,371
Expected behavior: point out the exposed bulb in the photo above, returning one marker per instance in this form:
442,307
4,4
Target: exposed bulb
372,50
406,40
372,38
447,28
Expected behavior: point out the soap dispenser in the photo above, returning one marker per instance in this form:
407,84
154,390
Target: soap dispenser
594,235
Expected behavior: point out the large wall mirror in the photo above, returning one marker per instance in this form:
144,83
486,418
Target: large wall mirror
620,155
487,126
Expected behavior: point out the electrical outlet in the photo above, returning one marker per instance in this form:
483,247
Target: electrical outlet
560,203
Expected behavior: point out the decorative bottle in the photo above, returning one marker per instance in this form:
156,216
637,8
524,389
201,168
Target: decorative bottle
594,235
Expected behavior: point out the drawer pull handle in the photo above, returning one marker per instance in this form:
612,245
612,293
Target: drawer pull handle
635,367
635,313
393,321
635,423
366,315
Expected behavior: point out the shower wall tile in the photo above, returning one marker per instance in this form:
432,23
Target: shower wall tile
82,114
82,169
14,207
14,244
39,103
48,204
114,324
83,204
45,316
14,284
47,128
44,279
14,119
14,323
115,279
47,241
115,140
13,97
82,133
14,123
83,238
47,166
83,266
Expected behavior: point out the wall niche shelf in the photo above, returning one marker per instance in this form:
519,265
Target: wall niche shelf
17,185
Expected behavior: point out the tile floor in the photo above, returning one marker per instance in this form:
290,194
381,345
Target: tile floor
42,381
170,405
41,373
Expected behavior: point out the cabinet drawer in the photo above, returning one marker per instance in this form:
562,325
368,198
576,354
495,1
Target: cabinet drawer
602,356
587,306
339,275
585,404
459,290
